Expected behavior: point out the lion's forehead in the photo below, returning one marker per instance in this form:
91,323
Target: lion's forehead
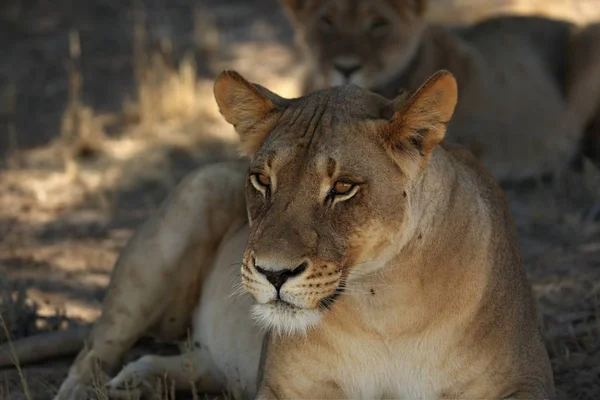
357,10
349,150
327,115
341,103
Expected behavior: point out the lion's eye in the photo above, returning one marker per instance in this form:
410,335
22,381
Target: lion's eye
326,23
261,179
262,183
341,188
378,26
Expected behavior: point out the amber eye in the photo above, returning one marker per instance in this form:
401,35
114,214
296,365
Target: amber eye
262,179
341,188
326,23
378,26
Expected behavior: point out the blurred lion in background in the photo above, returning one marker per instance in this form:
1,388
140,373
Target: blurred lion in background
529,86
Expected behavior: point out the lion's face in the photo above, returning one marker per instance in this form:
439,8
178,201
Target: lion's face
328,187
316,209
356,41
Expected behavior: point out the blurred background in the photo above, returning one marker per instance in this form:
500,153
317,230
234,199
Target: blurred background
106,104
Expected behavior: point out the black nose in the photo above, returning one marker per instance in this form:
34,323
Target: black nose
347,69
278,278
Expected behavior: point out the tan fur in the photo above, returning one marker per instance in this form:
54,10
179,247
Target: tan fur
230,94
526,82
159,276
410,288
408,285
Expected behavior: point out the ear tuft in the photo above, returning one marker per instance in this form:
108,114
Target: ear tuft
240,102
298,11
420,122
419,7
250,108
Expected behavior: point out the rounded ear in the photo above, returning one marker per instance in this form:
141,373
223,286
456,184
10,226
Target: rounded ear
418,6
250,108
419,123
421,6
298,11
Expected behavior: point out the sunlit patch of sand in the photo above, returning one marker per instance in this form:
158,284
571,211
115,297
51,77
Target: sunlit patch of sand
465,11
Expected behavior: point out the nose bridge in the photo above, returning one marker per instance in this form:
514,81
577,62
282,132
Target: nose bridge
345,49
346,57
347,61
350,20
284,244
288,235
287,238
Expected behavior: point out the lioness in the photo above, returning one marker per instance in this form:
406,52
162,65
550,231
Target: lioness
529,86
385,264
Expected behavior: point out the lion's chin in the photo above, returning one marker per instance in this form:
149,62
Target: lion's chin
285,319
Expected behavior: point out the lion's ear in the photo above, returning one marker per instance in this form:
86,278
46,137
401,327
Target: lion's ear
418,6
250,108
298,11
419,123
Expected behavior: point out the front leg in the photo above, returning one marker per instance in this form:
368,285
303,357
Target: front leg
263,359
157,279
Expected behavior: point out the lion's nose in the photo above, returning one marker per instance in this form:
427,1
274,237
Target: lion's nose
347,68
278,278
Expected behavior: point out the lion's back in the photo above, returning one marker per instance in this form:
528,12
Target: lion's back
546,39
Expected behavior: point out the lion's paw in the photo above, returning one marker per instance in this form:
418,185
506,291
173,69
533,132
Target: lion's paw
133,380
75,387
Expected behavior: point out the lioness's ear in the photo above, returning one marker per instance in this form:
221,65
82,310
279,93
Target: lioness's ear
299,10
418,6
420,122
250,108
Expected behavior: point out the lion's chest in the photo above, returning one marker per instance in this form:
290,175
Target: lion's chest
403,369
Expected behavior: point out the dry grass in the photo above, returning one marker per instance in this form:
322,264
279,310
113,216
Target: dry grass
78,178
20,314
23,381
560,240
68,206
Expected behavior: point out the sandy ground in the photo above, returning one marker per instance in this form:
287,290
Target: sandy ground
104,107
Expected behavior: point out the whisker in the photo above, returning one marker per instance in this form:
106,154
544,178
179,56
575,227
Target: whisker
238,289
364,262
356,294
380,285
352,290
234,264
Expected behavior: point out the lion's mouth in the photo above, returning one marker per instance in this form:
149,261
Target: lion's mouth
285,317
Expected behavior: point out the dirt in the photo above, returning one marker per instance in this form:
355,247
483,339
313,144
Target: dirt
91,142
